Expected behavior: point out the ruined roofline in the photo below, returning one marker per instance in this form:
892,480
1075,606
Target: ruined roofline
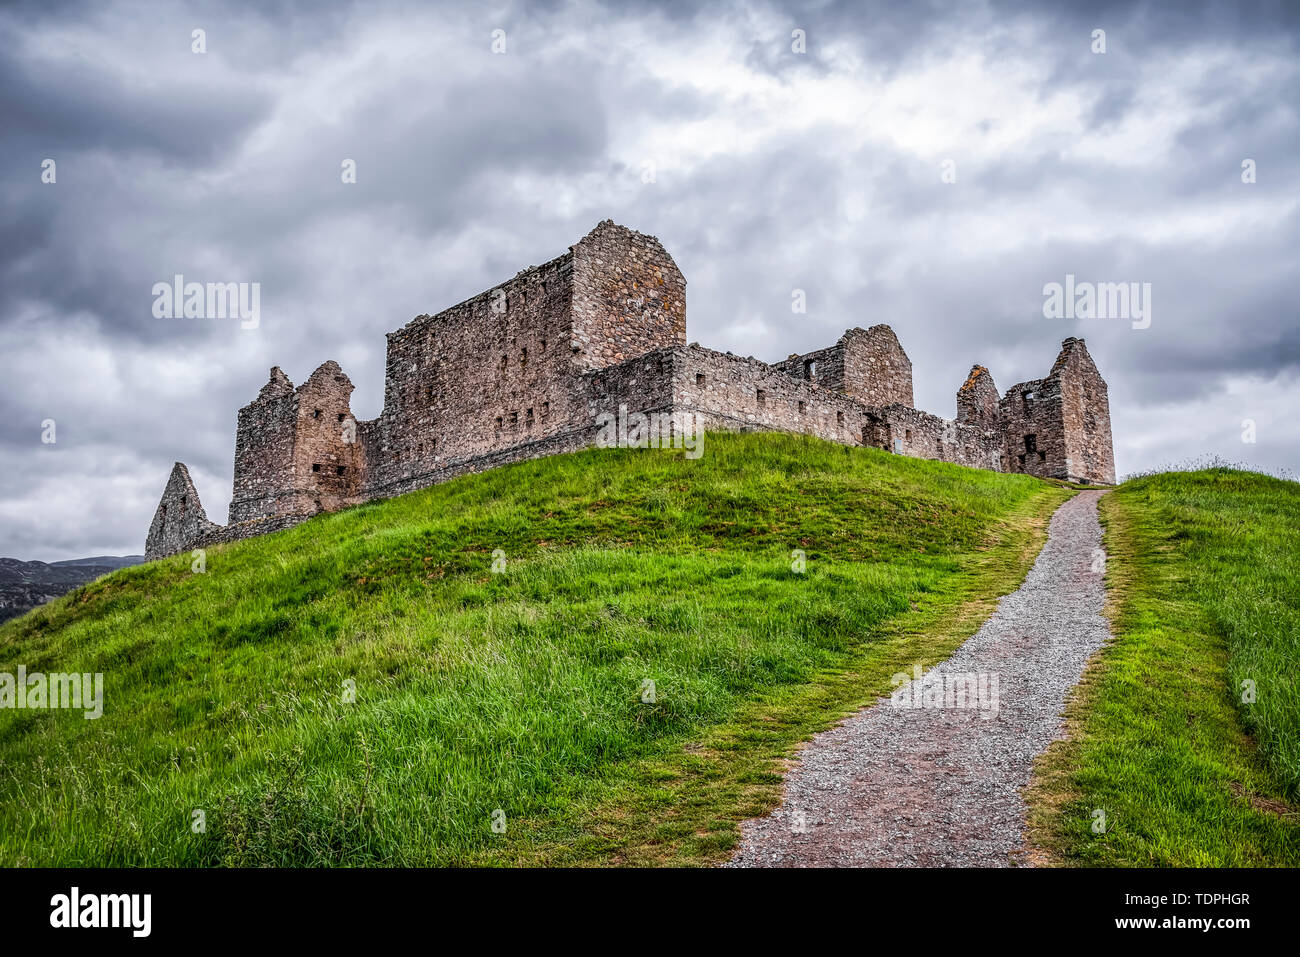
327,368
181,472
1073,346
858,330
173,531
1031,385
444,314
973,377
850,333
752,360
607,224
695,347
280,386
1068,348
795,360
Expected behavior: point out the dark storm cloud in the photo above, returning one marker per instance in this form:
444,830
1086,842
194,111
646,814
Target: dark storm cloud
52,104
773,172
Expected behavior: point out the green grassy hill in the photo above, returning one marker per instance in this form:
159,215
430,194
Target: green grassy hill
523,690
1186,731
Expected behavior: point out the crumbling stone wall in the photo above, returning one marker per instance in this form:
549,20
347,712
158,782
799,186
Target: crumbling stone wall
529,367
909,431
736,392
642,384
489,373
579,438
978,402
876,369
1085,413
823,367
295,450
328,463
179,519
867,364
1032,428
264,438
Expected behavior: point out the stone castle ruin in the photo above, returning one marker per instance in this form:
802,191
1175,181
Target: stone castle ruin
528,368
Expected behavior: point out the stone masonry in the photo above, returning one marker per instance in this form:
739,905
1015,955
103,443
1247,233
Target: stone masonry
527,368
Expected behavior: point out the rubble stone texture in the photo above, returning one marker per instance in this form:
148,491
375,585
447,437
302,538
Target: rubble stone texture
527,368
179,519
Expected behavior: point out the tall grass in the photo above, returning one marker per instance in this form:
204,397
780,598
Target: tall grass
522,692
1235,538
1186,732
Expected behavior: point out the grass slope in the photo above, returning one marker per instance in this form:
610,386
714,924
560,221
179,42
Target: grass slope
1203,597
520,690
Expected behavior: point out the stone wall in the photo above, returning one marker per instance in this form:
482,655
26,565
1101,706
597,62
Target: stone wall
222,534
735,392
264,437
575,440
489,373
867,364
1032,428
977,401
629,297
909,431
329,464
643,384
179,519
824,367
876,369
1085,412
296,450
509,366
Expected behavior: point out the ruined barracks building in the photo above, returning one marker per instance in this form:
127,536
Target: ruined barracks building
527,369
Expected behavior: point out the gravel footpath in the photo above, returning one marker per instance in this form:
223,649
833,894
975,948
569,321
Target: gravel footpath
935,786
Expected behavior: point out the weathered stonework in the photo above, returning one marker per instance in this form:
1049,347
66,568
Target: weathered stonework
296,451
179,520
1085,415
977,400
526,369
867,364
1059,426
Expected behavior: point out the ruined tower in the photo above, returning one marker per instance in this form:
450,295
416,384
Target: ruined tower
1059,426
1085,416
296,451
506,368
977,401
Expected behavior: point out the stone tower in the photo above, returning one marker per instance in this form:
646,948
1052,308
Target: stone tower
1085,414
1059,426
296,450
505,368
977,401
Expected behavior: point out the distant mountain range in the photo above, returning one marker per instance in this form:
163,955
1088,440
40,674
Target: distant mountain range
24,585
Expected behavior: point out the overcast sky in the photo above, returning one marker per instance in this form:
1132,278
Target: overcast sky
769,170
